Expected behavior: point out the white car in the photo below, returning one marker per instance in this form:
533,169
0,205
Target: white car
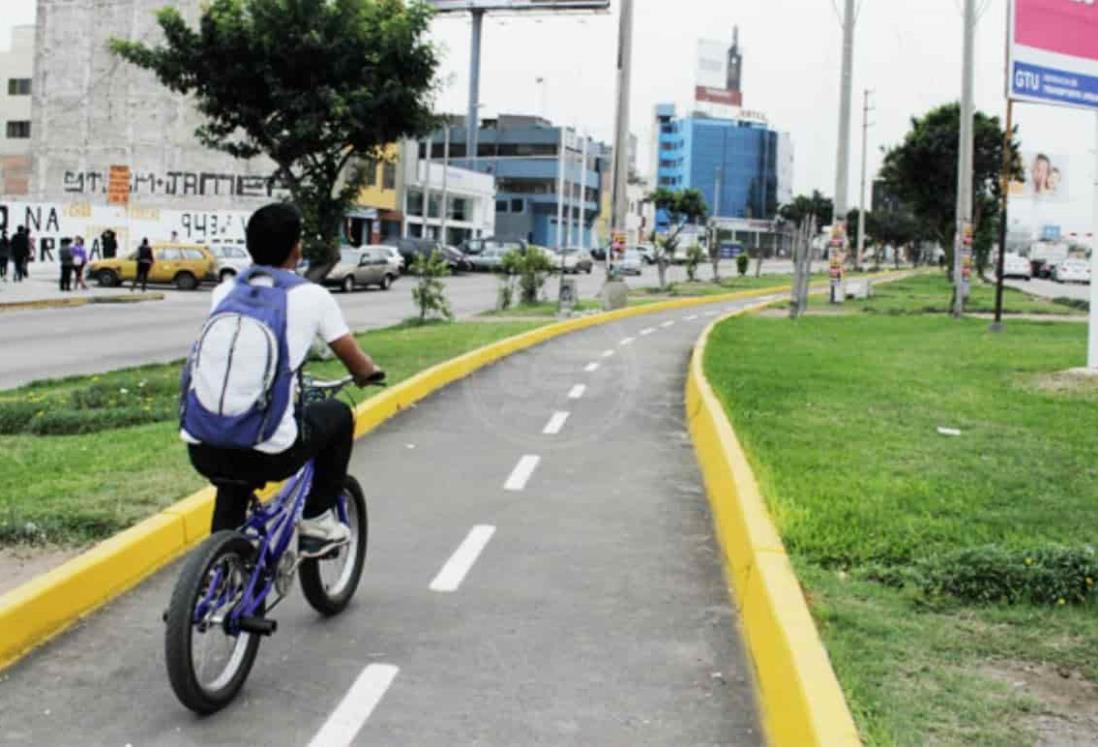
396,261
631,263
1017,266
1072,271
231,259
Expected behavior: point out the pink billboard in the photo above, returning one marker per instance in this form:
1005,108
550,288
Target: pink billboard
1063,26
1054,52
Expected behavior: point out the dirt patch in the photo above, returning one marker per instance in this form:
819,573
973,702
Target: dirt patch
1067,714
1073,381
21,564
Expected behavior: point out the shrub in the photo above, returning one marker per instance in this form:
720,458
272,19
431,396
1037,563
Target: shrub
532,268
1047,575
694,257
429,292
15,416
741,264
505,297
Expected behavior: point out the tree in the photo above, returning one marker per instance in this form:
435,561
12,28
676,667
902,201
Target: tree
805,205
694,257
896,228
532,267
682,208
429,293
317,86
922,172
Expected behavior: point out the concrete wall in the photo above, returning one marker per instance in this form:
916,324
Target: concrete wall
93,110
16,63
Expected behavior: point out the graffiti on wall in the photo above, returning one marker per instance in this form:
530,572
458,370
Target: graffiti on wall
178,184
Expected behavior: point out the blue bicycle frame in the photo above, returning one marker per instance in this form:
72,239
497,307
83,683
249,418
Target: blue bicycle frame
272,526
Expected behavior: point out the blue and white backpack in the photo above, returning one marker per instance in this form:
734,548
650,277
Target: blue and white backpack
238,382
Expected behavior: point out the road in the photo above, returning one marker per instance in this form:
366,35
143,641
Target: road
1051,289
595,614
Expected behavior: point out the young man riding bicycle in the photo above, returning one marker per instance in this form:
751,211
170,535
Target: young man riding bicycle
241,417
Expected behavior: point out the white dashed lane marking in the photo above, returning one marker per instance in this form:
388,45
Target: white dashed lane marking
577,391
352,712
607,353
628,341
522,472
668,323
556,422
648,330
591,367
459,564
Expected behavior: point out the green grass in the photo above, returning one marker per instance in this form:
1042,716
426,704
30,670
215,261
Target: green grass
546,309
931,293
839,415
77,488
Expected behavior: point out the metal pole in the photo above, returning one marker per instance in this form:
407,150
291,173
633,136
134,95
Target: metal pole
427,190
619,198
472,121
861,192
583,196
843,159
1092,335
1000,262
560,192
445,181
569,237
964,155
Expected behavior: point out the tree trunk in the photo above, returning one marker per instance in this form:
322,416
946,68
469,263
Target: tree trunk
661,266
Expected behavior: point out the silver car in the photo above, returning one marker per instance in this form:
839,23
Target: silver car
361,268
232,259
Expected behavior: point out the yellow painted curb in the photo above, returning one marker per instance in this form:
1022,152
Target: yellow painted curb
74,301
801,701
43,607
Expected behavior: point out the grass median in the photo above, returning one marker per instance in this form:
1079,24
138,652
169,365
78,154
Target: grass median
85,457
952,576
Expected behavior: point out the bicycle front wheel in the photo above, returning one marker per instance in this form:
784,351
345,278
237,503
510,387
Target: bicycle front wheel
329,582
207,665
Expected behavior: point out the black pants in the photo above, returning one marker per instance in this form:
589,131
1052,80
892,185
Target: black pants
329,431
142,277
66,277
3,267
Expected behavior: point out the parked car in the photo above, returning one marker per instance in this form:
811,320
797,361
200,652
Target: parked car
578,260
471,248
411,248
231,259
490,259
1072,271
630,264
396,261
185,265
648,253
456,259
361,268
1017,266
598,253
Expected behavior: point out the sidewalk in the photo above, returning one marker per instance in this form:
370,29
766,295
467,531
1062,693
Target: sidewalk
41,290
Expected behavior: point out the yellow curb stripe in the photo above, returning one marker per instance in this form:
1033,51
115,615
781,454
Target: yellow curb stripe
44,606
801,701
59,303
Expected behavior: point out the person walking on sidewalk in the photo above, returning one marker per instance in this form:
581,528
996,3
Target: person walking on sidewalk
144,264
5,254
20,250
64,254
79,261
109,242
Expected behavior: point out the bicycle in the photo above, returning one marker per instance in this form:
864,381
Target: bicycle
220,598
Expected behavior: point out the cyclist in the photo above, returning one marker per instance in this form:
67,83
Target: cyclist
322,431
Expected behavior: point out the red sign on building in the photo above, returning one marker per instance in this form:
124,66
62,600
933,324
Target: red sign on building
718,96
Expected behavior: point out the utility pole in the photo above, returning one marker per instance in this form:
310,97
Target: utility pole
560,192
866,109
842,165
961,245
620,182
445,182
472,121
426,233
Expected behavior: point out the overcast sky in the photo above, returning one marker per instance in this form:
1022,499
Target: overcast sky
908,53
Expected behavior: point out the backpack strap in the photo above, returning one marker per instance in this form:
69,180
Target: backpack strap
283,279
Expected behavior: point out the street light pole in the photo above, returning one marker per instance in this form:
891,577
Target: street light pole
964,164
842,166
619,198
861,192
472,123
445,182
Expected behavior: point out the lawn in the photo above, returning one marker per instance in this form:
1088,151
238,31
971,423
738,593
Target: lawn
85,457
901,535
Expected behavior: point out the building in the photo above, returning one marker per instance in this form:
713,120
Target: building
524,154
742,166
377,214
16,85
470,199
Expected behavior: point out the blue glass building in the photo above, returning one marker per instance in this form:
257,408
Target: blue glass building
743,167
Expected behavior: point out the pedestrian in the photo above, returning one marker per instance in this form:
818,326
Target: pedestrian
20,249
5,254
144,264
109,242
64,254
79,261
175,237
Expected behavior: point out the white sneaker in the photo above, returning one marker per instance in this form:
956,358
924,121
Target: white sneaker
326,528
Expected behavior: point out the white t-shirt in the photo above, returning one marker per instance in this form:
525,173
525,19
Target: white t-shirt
310,311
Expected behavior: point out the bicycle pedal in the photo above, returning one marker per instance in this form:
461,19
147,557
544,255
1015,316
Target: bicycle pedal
310,549
257,625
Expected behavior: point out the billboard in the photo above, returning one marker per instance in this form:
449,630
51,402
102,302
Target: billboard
1054,52
1046,177
712,69
453,6
704,94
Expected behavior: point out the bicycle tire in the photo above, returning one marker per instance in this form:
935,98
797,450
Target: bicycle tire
312,584
179,636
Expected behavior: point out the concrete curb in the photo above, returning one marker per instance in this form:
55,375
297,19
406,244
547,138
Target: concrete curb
45,606
62,303
801,701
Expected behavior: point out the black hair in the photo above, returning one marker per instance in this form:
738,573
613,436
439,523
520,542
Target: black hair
272,233
1043,157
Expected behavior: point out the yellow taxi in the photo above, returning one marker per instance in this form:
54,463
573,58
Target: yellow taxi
184,265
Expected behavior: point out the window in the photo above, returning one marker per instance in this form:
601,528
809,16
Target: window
389,175
518,205
371,172
415,203
458,208
169,255
501,206
19,130
528,149
193,254
19,86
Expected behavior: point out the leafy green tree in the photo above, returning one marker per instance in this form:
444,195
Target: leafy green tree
805,205
317,86
429,292
922,172
532,267
683,208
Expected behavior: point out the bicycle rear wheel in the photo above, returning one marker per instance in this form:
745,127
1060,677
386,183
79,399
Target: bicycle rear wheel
329,582
206,665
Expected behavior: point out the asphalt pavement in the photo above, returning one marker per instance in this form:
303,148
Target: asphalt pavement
541,570
1051,289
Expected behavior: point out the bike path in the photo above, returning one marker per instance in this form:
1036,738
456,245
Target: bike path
594,613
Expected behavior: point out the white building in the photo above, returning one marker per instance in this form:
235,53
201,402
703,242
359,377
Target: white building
641,217
470,197
16,78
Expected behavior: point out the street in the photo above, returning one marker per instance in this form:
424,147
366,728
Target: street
595,613
1051,289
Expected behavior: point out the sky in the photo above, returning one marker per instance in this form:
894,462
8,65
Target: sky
908,53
